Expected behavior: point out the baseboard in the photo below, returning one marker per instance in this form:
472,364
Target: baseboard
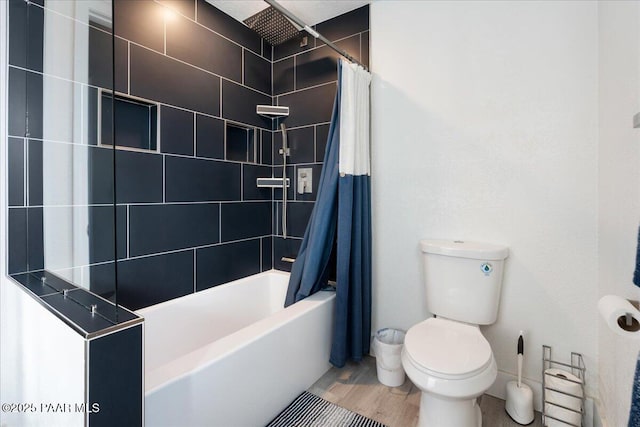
499,388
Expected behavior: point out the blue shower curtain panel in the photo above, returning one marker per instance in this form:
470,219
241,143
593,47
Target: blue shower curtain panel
310,272
342,211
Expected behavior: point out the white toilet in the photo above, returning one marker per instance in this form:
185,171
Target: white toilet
446,356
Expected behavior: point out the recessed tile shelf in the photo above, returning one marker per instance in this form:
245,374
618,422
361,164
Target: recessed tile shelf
636,121
137,120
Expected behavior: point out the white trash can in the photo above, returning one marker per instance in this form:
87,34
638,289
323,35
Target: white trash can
387,346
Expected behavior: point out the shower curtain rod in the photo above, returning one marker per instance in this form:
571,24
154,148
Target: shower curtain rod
313,32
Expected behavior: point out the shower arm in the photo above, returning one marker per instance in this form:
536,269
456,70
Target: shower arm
313,32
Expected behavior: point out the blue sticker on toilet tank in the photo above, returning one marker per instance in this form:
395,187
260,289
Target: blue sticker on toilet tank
486,268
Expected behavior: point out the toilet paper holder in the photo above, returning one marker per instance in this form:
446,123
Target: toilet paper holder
555,410
628,322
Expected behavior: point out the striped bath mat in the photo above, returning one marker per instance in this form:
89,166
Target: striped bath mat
309,410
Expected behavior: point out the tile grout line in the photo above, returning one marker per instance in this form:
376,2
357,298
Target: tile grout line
128,233
195,271
195,134
261,239
25,173
128,68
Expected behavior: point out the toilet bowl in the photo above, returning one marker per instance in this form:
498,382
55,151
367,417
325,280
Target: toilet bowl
452,364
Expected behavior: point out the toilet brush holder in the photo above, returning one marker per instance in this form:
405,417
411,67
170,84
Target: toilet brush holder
519,404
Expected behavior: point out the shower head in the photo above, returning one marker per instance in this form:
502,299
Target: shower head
272,26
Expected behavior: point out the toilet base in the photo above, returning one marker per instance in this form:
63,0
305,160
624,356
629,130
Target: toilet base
436,411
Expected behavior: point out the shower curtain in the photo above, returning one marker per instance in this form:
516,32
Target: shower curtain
342,211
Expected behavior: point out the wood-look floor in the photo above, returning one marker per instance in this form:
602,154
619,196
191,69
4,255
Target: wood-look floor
356,388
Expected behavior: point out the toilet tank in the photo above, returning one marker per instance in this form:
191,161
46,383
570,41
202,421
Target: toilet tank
463,279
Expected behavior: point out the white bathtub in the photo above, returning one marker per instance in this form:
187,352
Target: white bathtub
232,356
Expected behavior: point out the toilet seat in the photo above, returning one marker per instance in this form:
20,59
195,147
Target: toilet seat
447,349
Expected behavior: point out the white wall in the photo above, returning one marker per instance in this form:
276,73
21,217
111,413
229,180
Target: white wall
42,362
619,193
484,127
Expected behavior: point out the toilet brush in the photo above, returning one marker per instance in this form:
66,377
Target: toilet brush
519,404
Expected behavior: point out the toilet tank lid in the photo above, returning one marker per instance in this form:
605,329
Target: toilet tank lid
464,249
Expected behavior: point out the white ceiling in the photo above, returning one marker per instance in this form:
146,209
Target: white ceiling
310,12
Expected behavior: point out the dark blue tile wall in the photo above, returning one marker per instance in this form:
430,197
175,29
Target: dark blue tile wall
227,26
322,133
101,229
319,65
301,146
25,240
163,228
298,214
25,35
284,248
221,264
176,131
100,171
267,253
239,104
249,189
138,177
101,58
150,280
364,46
245,220
160,78
116,378
266,144
257,72
187,219
201,180
25,95
35,165
293,46
141,21
183,7
16,168
211,71
203,48
209,137
309,106
283,76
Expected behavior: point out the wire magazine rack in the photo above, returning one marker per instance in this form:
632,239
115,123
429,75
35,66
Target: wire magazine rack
554,413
